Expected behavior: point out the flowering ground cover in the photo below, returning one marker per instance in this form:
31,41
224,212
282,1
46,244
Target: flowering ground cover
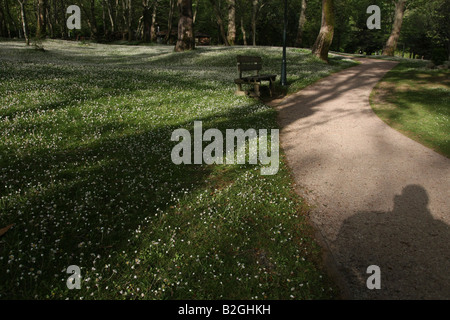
87,178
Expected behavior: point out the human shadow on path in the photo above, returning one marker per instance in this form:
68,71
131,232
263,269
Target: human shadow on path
408,244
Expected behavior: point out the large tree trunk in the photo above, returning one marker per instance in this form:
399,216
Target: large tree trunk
220,22
391,44
325,37
22,4
231,22
186,39
41,27
301,25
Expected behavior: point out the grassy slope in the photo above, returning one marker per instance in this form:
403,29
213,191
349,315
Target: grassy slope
87,178
416,101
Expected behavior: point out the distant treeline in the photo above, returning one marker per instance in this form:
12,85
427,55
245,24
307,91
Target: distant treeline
424,24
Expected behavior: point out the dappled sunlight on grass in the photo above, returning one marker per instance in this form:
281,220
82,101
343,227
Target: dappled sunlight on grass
87,178
416,101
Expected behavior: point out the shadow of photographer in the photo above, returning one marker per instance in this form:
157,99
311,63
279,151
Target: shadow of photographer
408,244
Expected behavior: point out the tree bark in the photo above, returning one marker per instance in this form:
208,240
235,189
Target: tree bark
186,39
391,44
301,25
231,22
325,37
22,4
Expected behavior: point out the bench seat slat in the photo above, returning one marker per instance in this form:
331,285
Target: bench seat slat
250,67
249,59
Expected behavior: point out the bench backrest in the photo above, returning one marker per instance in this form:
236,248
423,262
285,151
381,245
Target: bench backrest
248,63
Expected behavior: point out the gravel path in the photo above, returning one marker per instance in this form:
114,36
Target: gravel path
379,198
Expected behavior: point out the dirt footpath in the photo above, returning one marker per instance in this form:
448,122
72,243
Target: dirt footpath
379,197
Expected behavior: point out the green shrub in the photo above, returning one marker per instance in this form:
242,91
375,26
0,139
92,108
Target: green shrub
439,56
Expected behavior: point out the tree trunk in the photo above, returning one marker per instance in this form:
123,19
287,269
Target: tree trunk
2,22
169,20
105,27
22,4
391,44
186,39
254,16
220,22
231,22
124,19
41,19
130,20
325,37
244,35
116,16
195,11
147,20
63,20
301,25
153,27
50,21
10,20
110,15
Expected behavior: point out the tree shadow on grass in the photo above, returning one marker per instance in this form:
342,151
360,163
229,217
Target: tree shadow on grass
93,197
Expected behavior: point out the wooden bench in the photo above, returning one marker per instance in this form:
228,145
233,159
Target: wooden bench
249,64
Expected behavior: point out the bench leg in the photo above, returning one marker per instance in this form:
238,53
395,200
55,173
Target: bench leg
257,93
239,91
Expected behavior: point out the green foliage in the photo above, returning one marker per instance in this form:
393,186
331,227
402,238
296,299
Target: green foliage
439,56
425,25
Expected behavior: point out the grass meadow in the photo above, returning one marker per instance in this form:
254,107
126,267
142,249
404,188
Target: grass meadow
87,178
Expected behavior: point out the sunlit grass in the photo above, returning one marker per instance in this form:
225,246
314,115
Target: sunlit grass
416,101
87,178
